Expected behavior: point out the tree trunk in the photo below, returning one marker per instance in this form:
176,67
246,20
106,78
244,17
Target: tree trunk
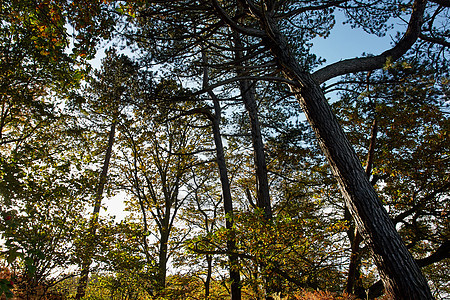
353,281
353,234
228,207
162,263
93,225
398,270
400,274
226,189
248,97
208,275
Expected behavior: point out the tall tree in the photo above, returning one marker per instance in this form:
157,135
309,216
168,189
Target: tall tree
158,153
110,91
41,200
407,100
247,90
274,26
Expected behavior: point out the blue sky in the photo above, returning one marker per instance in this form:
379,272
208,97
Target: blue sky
346,42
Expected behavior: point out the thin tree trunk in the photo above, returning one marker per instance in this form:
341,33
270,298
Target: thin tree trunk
248,97
228,207
208,275
247,91
226,192
93,224
353,275
354,236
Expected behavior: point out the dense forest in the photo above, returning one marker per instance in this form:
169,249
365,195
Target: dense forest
249,166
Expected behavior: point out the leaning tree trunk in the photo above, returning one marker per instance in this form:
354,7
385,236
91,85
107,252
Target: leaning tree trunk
226,190
248,97
398,270
401,275
93,225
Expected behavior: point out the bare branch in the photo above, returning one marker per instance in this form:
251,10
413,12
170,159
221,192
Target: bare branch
445,3
239,78
376,62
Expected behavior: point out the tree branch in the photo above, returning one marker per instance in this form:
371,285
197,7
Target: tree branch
441,253
310,8
434,40
244,30
445,3
240,78
376,62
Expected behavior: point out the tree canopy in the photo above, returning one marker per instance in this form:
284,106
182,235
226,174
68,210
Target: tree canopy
250,167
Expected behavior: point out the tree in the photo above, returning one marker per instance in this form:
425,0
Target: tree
158,152
245,47
202,215
406,100
42,203
268,25
110,91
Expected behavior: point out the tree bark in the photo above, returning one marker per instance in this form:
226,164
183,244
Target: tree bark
355,261
208,275
401,275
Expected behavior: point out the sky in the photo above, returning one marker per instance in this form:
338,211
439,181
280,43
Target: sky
346,42
343,42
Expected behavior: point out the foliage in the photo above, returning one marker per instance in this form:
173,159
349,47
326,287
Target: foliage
191,56
410,165
42,208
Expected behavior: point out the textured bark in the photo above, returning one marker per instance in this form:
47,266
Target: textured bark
401,275
93,225
354,236
443,252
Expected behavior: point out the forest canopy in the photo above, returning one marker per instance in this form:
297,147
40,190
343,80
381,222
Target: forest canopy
249,166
